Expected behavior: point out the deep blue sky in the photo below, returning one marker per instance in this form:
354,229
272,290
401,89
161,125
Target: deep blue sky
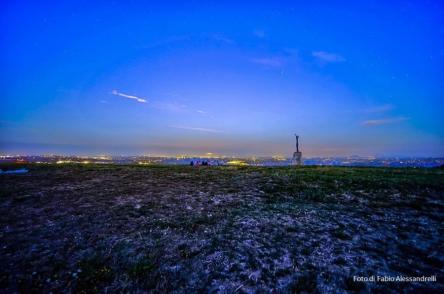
351,77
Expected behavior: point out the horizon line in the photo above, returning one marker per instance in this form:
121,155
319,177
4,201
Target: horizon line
215,155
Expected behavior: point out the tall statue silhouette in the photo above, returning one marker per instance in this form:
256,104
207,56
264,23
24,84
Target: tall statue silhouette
297,143
297,155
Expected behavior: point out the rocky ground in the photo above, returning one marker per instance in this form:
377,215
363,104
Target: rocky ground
188,229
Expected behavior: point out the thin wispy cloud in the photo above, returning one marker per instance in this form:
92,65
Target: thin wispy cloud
197,129
138,99
201,112
383,121
275,62
380,108
222,38
324,56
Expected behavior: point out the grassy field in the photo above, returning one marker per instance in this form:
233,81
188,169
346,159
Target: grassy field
219,229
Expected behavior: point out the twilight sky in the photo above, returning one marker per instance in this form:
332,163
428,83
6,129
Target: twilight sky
129,77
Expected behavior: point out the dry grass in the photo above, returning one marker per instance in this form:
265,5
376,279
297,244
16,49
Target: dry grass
225,229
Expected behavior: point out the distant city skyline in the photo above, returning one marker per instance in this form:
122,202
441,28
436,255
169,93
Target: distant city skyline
216,160
360,78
